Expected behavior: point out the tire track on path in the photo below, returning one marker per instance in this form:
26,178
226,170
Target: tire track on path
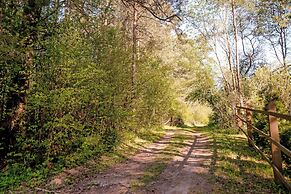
188,173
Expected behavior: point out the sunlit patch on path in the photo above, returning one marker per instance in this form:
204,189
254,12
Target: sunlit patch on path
188,172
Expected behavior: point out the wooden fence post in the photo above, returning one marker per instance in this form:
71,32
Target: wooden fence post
274,133
249,119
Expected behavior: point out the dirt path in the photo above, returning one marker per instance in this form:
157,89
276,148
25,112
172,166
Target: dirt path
186,173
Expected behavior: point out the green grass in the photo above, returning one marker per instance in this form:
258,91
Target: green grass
235,167
19,178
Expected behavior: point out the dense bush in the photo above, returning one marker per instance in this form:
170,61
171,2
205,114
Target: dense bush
78,92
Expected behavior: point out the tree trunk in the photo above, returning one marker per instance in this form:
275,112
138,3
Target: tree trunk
134,49
235,32
18,98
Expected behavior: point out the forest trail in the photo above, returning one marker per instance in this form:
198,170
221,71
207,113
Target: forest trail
186,157
188,172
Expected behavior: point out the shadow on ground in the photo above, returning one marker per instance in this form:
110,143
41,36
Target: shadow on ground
188,172
235,167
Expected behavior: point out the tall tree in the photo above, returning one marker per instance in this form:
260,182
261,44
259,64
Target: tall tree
273,23
23,19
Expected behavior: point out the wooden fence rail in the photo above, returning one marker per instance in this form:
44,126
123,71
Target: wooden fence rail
273,137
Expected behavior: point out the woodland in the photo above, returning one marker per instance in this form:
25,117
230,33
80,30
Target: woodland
78,76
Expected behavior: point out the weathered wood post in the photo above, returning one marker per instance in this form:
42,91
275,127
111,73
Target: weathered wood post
274,133
249,119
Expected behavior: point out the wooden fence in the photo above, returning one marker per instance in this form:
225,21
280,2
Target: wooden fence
273,137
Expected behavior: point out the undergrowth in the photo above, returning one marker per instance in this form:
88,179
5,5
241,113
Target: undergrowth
16,177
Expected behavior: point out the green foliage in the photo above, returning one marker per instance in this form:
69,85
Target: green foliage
286,141
78,92
66,91
263,87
